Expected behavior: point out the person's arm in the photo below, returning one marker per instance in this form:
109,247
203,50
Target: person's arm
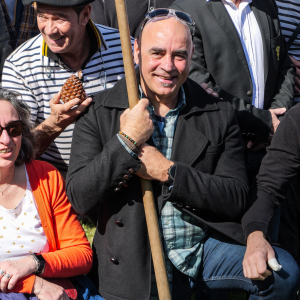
98,161
73,255
220,195
279,167
62,115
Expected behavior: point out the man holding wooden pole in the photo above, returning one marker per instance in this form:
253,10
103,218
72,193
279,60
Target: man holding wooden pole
188,144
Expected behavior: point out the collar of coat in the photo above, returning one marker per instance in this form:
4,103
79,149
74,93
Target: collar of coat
197,100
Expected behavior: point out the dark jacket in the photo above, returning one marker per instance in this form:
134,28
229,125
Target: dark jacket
104,12
279,167
220,61
210,182
5,48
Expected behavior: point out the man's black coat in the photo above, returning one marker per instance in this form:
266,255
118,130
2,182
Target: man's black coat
210,183
220,61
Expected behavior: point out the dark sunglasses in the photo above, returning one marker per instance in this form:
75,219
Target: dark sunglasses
164,13
13,128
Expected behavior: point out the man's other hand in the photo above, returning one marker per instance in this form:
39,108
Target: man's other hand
154,165
62,115
208,90
275,121
297,75
258,252
137,123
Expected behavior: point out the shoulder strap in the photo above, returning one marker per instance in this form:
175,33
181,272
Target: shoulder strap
293,37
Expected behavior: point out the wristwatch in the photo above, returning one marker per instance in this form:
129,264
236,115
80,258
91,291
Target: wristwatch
39,263
171,173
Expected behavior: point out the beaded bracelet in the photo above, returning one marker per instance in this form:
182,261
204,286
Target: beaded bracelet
129,139
131,146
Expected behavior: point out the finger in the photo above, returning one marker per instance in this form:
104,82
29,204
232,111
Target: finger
209,91
12,282
55,99
274,265
82,107
4,282
215,94
68,105
144,102
204,85
249,145
297,90
279,111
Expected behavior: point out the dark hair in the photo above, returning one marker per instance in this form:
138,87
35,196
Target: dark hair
78,9
28,145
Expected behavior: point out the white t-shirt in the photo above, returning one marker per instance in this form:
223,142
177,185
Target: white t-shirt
21,231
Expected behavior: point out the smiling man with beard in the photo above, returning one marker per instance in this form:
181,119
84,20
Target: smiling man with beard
188,144
69,44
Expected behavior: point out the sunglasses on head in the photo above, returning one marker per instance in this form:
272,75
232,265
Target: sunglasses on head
164,13
13,128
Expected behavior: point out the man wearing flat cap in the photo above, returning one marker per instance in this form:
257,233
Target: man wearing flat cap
69,44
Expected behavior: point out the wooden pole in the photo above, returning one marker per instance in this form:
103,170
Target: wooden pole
148,199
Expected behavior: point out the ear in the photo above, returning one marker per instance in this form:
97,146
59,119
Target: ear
136,52
85,14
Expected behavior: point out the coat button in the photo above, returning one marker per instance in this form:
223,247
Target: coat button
121,183
126,177
114,260
188,207
117,189
119,223
131,171
194,209
180,204
249,93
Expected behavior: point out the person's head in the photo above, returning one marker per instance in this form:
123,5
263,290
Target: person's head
17,142
163,51
63,27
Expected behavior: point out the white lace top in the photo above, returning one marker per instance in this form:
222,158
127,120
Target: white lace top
21,231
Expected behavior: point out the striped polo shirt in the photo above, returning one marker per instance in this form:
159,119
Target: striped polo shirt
38,74
289,16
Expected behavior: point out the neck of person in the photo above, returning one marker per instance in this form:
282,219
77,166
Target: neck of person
236,2
76,59
162,104
7,174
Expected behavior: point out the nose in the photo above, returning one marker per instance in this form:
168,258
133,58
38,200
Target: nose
50,28
167,63
5,138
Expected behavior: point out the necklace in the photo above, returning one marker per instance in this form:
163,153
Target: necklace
8,185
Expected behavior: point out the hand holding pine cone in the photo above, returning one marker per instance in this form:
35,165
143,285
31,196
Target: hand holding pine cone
72,89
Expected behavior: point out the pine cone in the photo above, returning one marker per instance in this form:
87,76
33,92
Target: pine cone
72,89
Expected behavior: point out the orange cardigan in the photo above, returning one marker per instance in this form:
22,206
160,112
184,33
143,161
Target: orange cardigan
69,250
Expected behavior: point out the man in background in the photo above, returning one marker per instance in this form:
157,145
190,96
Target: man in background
18,24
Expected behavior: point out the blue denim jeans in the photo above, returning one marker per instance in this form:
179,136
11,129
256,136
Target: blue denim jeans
222,269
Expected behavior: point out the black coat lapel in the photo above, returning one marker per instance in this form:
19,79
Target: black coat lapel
263,24
187,138
218,10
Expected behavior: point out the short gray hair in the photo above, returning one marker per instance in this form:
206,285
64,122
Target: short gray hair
28,146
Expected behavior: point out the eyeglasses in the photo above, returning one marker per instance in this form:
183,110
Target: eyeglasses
14,128
164,13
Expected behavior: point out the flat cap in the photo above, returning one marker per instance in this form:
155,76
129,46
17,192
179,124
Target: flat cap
64,3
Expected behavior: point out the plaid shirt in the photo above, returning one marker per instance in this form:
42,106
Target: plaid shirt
183,238
25,26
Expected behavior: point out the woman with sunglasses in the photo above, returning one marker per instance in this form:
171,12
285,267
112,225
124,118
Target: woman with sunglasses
40,236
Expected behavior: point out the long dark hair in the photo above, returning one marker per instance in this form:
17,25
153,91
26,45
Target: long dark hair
28,145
